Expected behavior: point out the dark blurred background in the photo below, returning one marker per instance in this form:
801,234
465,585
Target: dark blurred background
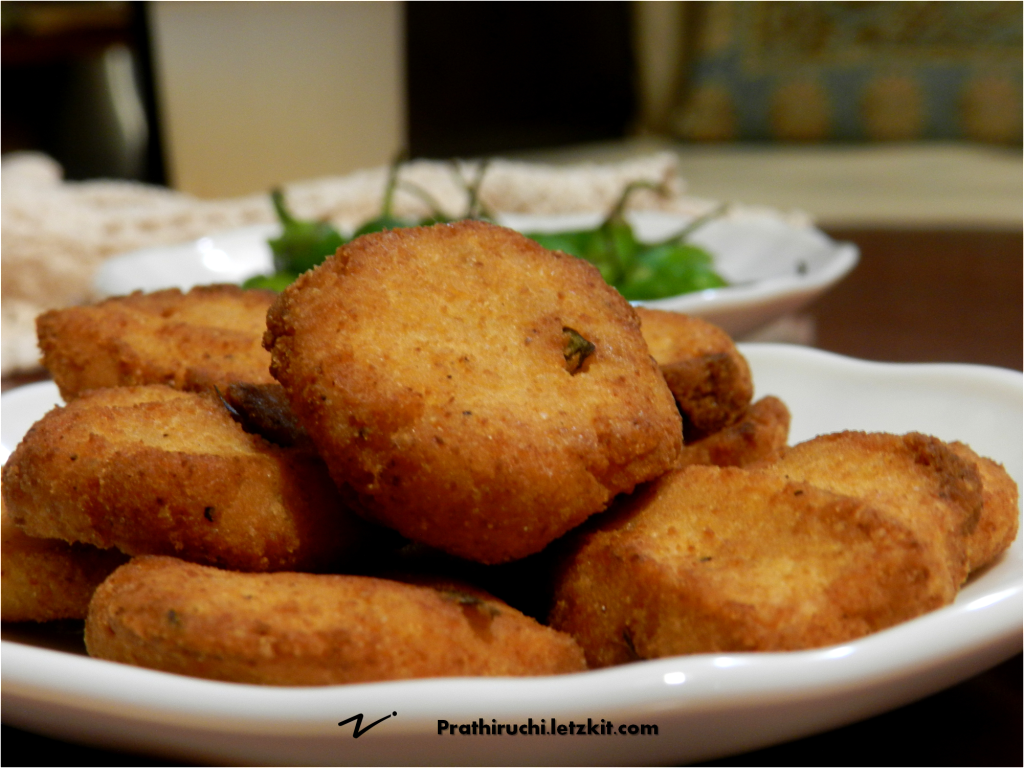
80,80
486,78
78,85
150,90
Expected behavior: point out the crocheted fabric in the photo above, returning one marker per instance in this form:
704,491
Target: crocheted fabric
57,233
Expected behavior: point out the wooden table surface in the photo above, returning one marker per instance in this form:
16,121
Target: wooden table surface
916,296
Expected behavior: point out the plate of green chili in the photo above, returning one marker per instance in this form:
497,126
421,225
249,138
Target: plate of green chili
738,269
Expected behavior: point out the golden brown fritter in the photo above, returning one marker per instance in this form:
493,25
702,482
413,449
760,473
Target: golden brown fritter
1000,514
304,629
444,374
207,337
758,435
915,478
152,470
708,376
46,579
710,559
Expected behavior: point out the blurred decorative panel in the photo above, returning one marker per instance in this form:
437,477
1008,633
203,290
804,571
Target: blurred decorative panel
875,71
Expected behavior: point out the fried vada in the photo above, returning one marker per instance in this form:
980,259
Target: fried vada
305,629
153,470
916,478
708,376
1000,513
759,434
709,559
476,392
47,579
207,337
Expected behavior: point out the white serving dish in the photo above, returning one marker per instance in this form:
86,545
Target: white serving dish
705,706
774,267
231,256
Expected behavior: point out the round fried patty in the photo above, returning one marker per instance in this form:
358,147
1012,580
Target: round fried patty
152,470
476,391
312,629
205,338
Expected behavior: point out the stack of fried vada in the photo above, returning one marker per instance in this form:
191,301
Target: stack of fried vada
516,421
996,526
914,478
838,537
48,579
707,375
711,383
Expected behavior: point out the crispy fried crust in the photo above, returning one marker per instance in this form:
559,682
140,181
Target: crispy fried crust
46,579
758,435
708,376
431,367
914,477
207,337
301,629
710,559
152,470
1000,514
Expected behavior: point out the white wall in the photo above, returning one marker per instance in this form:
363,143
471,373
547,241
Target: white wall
254,94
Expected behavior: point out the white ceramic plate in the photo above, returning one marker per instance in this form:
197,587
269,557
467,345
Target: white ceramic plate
774,267
704,706
225,257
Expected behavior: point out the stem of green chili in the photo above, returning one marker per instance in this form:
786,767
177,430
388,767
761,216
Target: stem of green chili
277,198
696,224
425,197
